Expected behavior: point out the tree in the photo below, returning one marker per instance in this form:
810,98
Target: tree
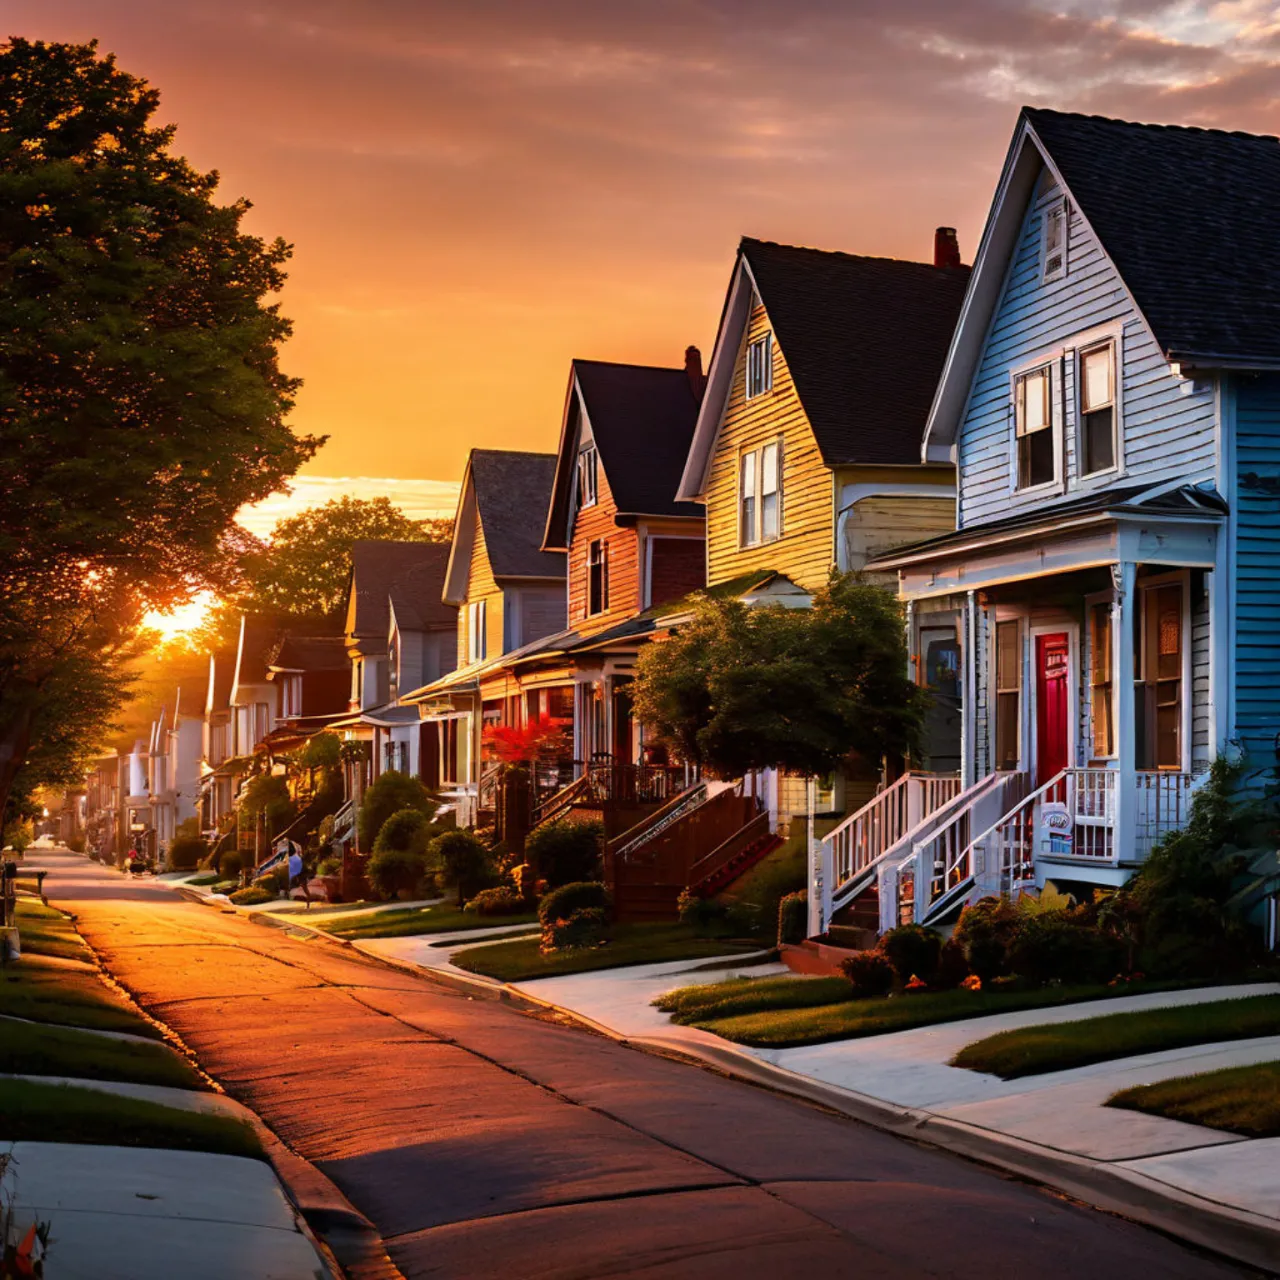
141,399
741,688
390,792
462,863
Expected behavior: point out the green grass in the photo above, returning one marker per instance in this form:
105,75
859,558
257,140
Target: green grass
520,959
38,1112
750,995
853,1019
209,877
45,931
415,920
69,997
45,1050
1031,1051
1243,1100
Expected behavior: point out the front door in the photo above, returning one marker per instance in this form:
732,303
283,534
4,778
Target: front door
1053,674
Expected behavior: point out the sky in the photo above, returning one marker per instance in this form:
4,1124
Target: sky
480,190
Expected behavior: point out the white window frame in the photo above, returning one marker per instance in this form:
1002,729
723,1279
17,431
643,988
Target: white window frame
477,631
1055,212
1097,600
588,476
758,369
1085,345
754,536
1046,365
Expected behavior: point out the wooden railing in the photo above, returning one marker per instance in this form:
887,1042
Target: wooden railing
675,809
560,802
723,854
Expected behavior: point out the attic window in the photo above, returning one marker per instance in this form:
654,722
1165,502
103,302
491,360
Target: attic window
588,477
1054,248
760,366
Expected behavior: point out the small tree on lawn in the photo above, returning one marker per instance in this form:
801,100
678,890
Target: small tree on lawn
391,792
462,863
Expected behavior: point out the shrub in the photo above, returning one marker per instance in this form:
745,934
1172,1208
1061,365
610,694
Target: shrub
76,843
700,912
267,793
869,973
561,903
953,968
984,930
390,793
505,900
461,862
322,751
330,865
230,864
252,896
393,871
565,851
586,927
187,847
408,831
793,917
1050,948
275,881
913,951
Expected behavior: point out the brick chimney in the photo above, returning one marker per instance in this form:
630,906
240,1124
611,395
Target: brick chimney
946,248
693,369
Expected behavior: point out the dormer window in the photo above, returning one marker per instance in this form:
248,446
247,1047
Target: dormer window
1097,382
1054,248
760,366
1036,462
588,477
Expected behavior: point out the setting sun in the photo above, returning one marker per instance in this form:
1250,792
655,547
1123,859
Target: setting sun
180,621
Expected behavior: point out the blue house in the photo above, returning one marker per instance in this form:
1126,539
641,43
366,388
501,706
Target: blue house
1106,609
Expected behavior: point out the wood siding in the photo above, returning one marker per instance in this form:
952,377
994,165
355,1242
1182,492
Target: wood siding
481,586
875,525
804,551
1167,423
590,523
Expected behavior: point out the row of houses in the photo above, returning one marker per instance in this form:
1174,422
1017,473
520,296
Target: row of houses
1065,460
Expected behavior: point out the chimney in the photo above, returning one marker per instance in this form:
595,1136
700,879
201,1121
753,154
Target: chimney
693,370
946,248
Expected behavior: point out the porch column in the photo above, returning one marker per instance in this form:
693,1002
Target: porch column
1125,831
1221,712
969,691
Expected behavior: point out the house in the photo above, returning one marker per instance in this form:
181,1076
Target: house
217,769
1111,403
174,767
313,677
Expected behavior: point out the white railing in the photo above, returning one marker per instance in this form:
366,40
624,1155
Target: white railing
1162,804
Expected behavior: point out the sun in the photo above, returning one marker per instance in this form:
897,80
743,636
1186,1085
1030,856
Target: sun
180,621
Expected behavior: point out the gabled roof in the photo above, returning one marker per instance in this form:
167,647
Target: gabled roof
411,573
221,672
1190,218
641,419
864,339
257,640
310,653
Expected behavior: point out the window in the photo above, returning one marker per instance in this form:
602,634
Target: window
1159,704
760,495
588,477
597,577
1054,247
1008,693
1034,426
477,631
1097,383
760,366
1101,702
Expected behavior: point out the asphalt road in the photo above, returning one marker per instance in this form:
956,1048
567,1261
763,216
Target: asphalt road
484,1142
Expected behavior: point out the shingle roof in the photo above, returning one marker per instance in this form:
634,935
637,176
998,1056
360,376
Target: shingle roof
1190,217
642,418
409,573
311,653
257,639
513,492
864,339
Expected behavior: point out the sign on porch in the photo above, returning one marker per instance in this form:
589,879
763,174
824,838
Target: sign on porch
1055,829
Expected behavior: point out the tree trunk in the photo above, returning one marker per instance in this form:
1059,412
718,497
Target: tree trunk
15,742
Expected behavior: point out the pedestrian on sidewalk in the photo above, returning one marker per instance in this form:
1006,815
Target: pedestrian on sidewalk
298,873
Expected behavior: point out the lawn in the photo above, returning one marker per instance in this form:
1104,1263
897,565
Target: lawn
520,959
45,931
67,996
31,1111
1031,1051
788,1028
31,1049
1243,1100
750,995
415,920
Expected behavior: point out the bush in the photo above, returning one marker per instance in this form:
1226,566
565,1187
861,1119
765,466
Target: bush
953,968
1050,948
230,864
390,793
984,930
793,917
700,912
869,973
407,831
322,751
564,852
253,896
275,881
267,793
505,900
461,862
586,927
393,871
561,903
187,847
913,951
330,865
76,843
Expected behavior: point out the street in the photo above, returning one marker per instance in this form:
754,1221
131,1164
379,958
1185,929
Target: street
484,1142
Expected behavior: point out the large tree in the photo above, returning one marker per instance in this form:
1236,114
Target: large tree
740,688
141,398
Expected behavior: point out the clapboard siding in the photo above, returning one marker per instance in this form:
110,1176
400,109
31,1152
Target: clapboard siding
875,525
590,523
481,586
1168,423
1257,563
1202,749
804,551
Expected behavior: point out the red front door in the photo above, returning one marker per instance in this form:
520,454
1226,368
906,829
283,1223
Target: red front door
1053,671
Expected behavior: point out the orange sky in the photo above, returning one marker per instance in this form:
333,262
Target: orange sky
479,190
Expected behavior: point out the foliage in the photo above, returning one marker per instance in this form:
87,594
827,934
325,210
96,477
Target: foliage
188,846
914,952
504,900
561,903
541,738
461,863
331,865
408,830
585,927
17,835
266,794
793,917
321,751
566,851
952,968
870,973
390,793
692,908
741,688
394,870
230,864
749,995
253,895
1052,947
984,930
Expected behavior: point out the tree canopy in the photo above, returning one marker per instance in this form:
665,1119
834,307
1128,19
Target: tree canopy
740,688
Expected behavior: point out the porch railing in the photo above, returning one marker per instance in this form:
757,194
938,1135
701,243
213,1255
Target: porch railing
1162,805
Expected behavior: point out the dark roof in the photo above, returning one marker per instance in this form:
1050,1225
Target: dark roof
257,641
864,339
409,573
311,653
223,670
642,419
513,492
1191,219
